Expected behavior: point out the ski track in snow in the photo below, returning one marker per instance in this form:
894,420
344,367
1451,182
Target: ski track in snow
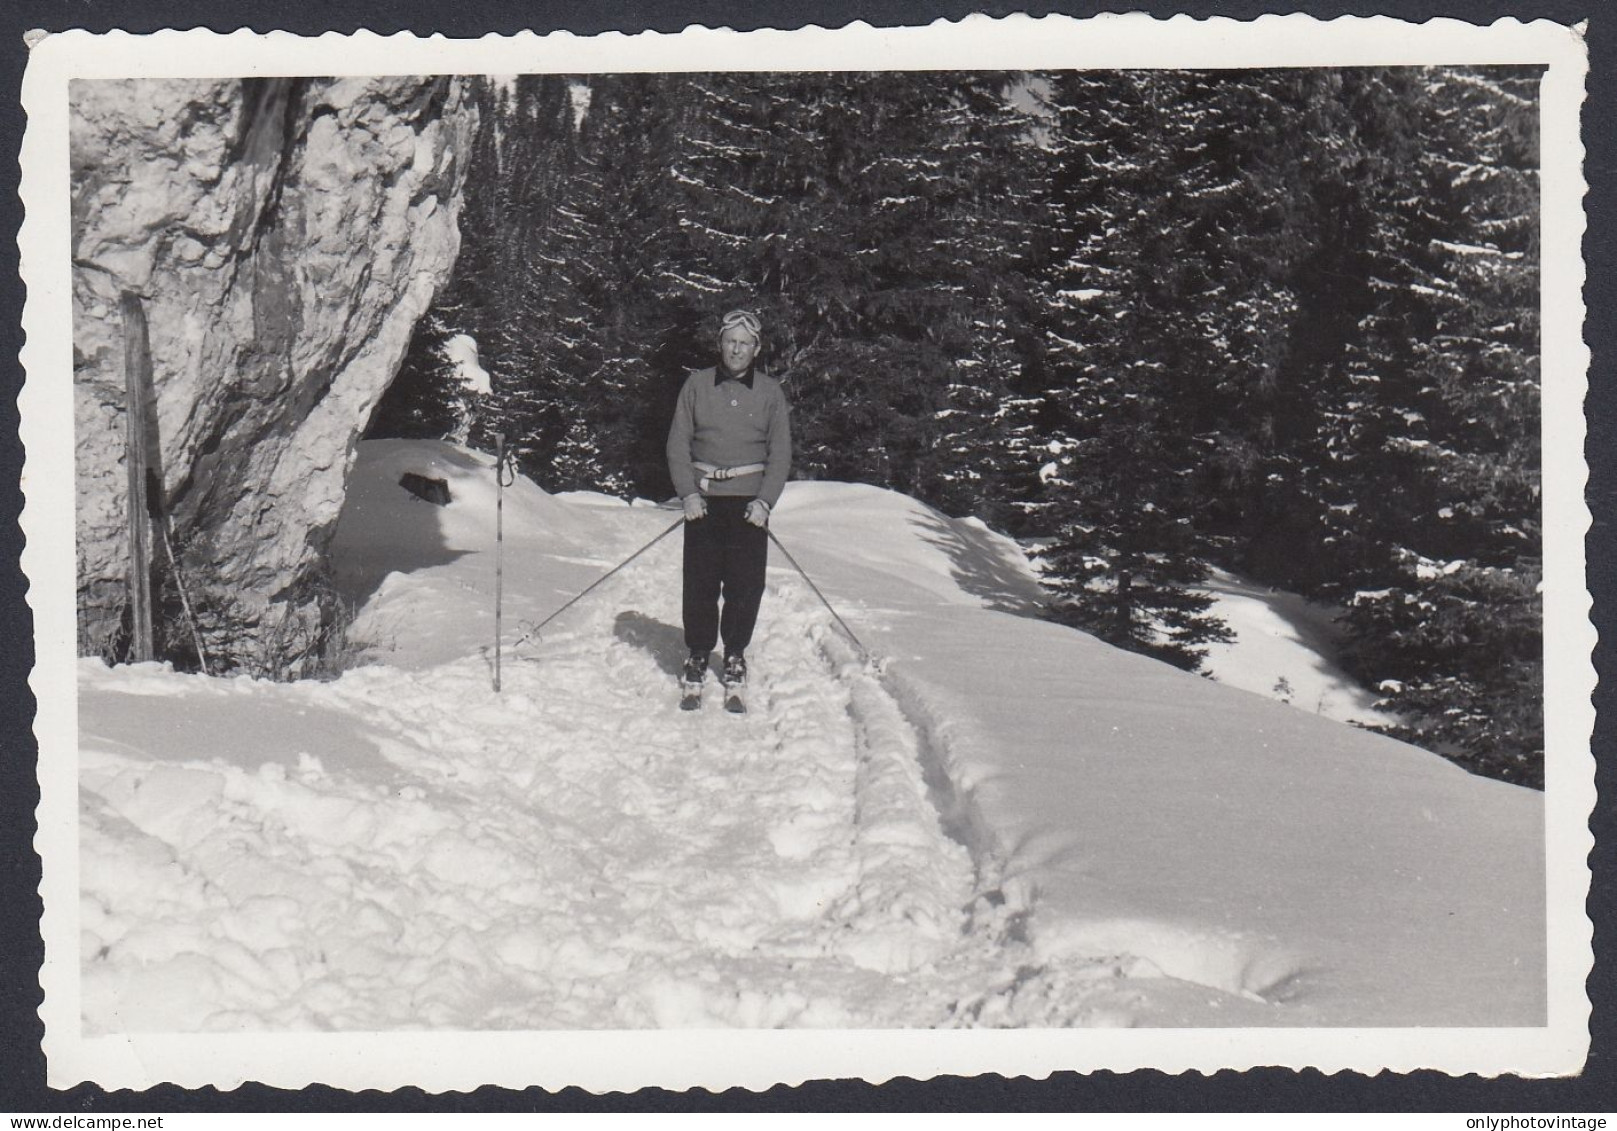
572,853
1002,824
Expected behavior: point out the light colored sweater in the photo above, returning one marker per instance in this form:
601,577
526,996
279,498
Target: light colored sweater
727,424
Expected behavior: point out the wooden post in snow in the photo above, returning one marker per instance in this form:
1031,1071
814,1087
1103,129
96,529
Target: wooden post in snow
138,392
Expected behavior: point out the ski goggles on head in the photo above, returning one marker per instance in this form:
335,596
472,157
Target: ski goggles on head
746,319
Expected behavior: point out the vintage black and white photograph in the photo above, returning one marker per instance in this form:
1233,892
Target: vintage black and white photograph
693,540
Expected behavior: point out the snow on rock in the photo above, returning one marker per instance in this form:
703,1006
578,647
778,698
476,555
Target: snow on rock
1003,822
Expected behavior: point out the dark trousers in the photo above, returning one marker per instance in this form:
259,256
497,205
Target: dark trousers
725,557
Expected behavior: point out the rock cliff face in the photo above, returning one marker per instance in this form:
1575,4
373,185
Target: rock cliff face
283,236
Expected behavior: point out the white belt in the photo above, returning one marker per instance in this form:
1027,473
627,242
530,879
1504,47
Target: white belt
712,473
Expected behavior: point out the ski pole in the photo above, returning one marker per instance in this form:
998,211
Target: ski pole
678,522
167,529
499,547
864,654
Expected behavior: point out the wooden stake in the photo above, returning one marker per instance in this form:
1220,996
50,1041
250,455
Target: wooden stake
137,389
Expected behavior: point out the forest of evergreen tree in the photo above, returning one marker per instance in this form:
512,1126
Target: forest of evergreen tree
1283,322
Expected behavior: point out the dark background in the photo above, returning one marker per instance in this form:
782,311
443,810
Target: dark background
22,1065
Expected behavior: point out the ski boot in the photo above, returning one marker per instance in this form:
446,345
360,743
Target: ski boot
690,688
735,682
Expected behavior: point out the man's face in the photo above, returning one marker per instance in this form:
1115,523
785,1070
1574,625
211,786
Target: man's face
737,348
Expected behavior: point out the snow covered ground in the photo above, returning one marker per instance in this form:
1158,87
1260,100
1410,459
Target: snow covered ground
1283,648
1001,822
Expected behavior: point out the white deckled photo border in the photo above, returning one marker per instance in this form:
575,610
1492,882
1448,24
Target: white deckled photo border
626,1060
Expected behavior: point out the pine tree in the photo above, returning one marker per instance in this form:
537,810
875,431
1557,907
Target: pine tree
1445,602
1126,369
564,279
425,400
994,168
525,295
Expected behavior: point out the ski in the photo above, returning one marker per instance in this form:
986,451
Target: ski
733,701
690,696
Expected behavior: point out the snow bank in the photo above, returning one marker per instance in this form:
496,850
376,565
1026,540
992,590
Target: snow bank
1239,844
1003,822
1283,649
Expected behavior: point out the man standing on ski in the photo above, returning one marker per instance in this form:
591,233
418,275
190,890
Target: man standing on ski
729,451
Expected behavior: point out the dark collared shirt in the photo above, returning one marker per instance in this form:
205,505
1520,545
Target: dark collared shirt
721,374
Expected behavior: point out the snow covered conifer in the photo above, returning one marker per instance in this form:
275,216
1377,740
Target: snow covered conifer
1121,499
992,207
1448,616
